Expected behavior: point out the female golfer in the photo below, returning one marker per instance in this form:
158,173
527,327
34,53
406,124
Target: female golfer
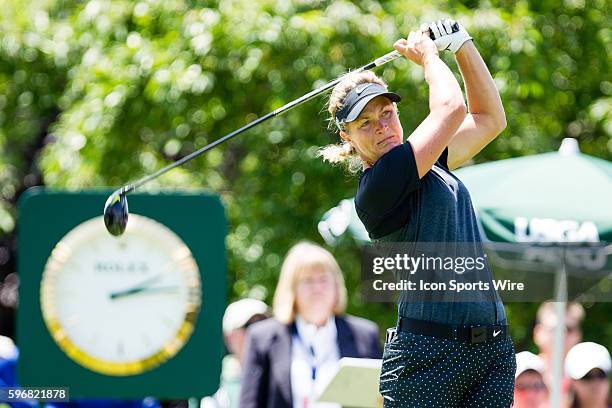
441,354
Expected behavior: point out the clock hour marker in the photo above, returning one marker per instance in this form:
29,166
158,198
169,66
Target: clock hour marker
120,349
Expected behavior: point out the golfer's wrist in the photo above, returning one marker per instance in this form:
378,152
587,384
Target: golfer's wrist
463,47
429,58
466,54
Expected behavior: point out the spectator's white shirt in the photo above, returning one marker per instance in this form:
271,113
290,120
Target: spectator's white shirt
313,348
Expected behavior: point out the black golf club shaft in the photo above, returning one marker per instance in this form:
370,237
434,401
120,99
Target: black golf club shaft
377,62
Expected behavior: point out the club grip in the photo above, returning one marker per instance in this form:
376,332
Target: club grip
454,27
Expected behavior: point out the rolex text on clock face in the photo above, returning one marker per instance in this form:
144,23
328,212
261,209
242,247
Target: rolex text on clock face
121,305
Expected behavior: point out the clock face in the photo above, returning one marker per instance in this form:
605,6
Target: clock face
121,305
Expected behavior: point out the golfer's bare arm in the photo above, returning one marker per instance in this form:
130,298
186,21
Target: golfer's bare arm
486,118
446,107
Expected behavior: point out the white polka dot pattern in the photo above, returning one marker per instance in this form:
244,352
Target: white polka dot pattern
428,372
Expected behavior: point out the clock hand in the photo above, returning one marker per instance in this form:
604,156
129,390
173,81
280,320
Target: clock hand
134,291
148,281
141,285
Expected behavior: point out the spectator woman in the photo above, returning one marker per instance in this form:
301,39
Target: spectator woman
290,358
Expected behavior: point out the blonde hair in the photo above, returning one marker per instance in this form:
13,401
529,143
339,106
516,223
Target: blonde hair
301,258
343,153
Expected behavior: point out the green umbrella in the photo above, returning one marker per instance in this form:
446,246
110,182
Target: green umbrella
563,196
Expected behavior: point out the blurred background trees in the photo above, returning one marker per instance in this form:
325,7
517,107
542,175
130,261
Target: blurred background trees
98,93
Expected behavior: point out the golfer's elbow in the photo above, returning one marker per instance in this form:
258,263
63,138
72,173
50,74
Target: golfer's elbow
498,124
499,119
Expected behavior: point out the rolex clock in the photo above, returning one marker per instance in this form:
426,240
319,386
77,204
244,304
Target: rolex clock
121,317
120,306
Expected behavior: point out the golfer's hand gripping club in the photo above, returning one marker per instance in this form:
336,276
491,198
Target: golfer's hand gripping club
116,206
448,35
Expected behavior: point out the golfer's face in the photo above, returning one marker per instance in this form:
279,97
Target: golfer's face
376,131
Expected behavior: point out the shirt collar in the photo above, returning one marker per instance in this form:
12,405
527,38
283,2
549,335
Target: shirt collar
309,332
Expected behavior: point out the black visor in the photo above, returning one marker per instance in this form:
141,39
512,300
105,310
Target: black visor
358,98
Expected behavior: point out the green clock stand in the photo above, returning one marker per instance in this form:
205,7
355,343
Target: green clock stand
121,317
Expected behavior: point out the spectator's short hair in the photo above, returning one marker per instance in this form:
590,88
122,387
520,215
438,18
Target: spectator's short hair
301,258
547,316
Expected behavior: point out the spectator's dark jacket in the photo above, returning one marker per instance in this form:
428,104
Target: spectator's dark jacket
266,374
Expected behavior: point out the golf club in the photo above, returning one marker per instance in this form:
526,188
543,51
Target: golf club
116,206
